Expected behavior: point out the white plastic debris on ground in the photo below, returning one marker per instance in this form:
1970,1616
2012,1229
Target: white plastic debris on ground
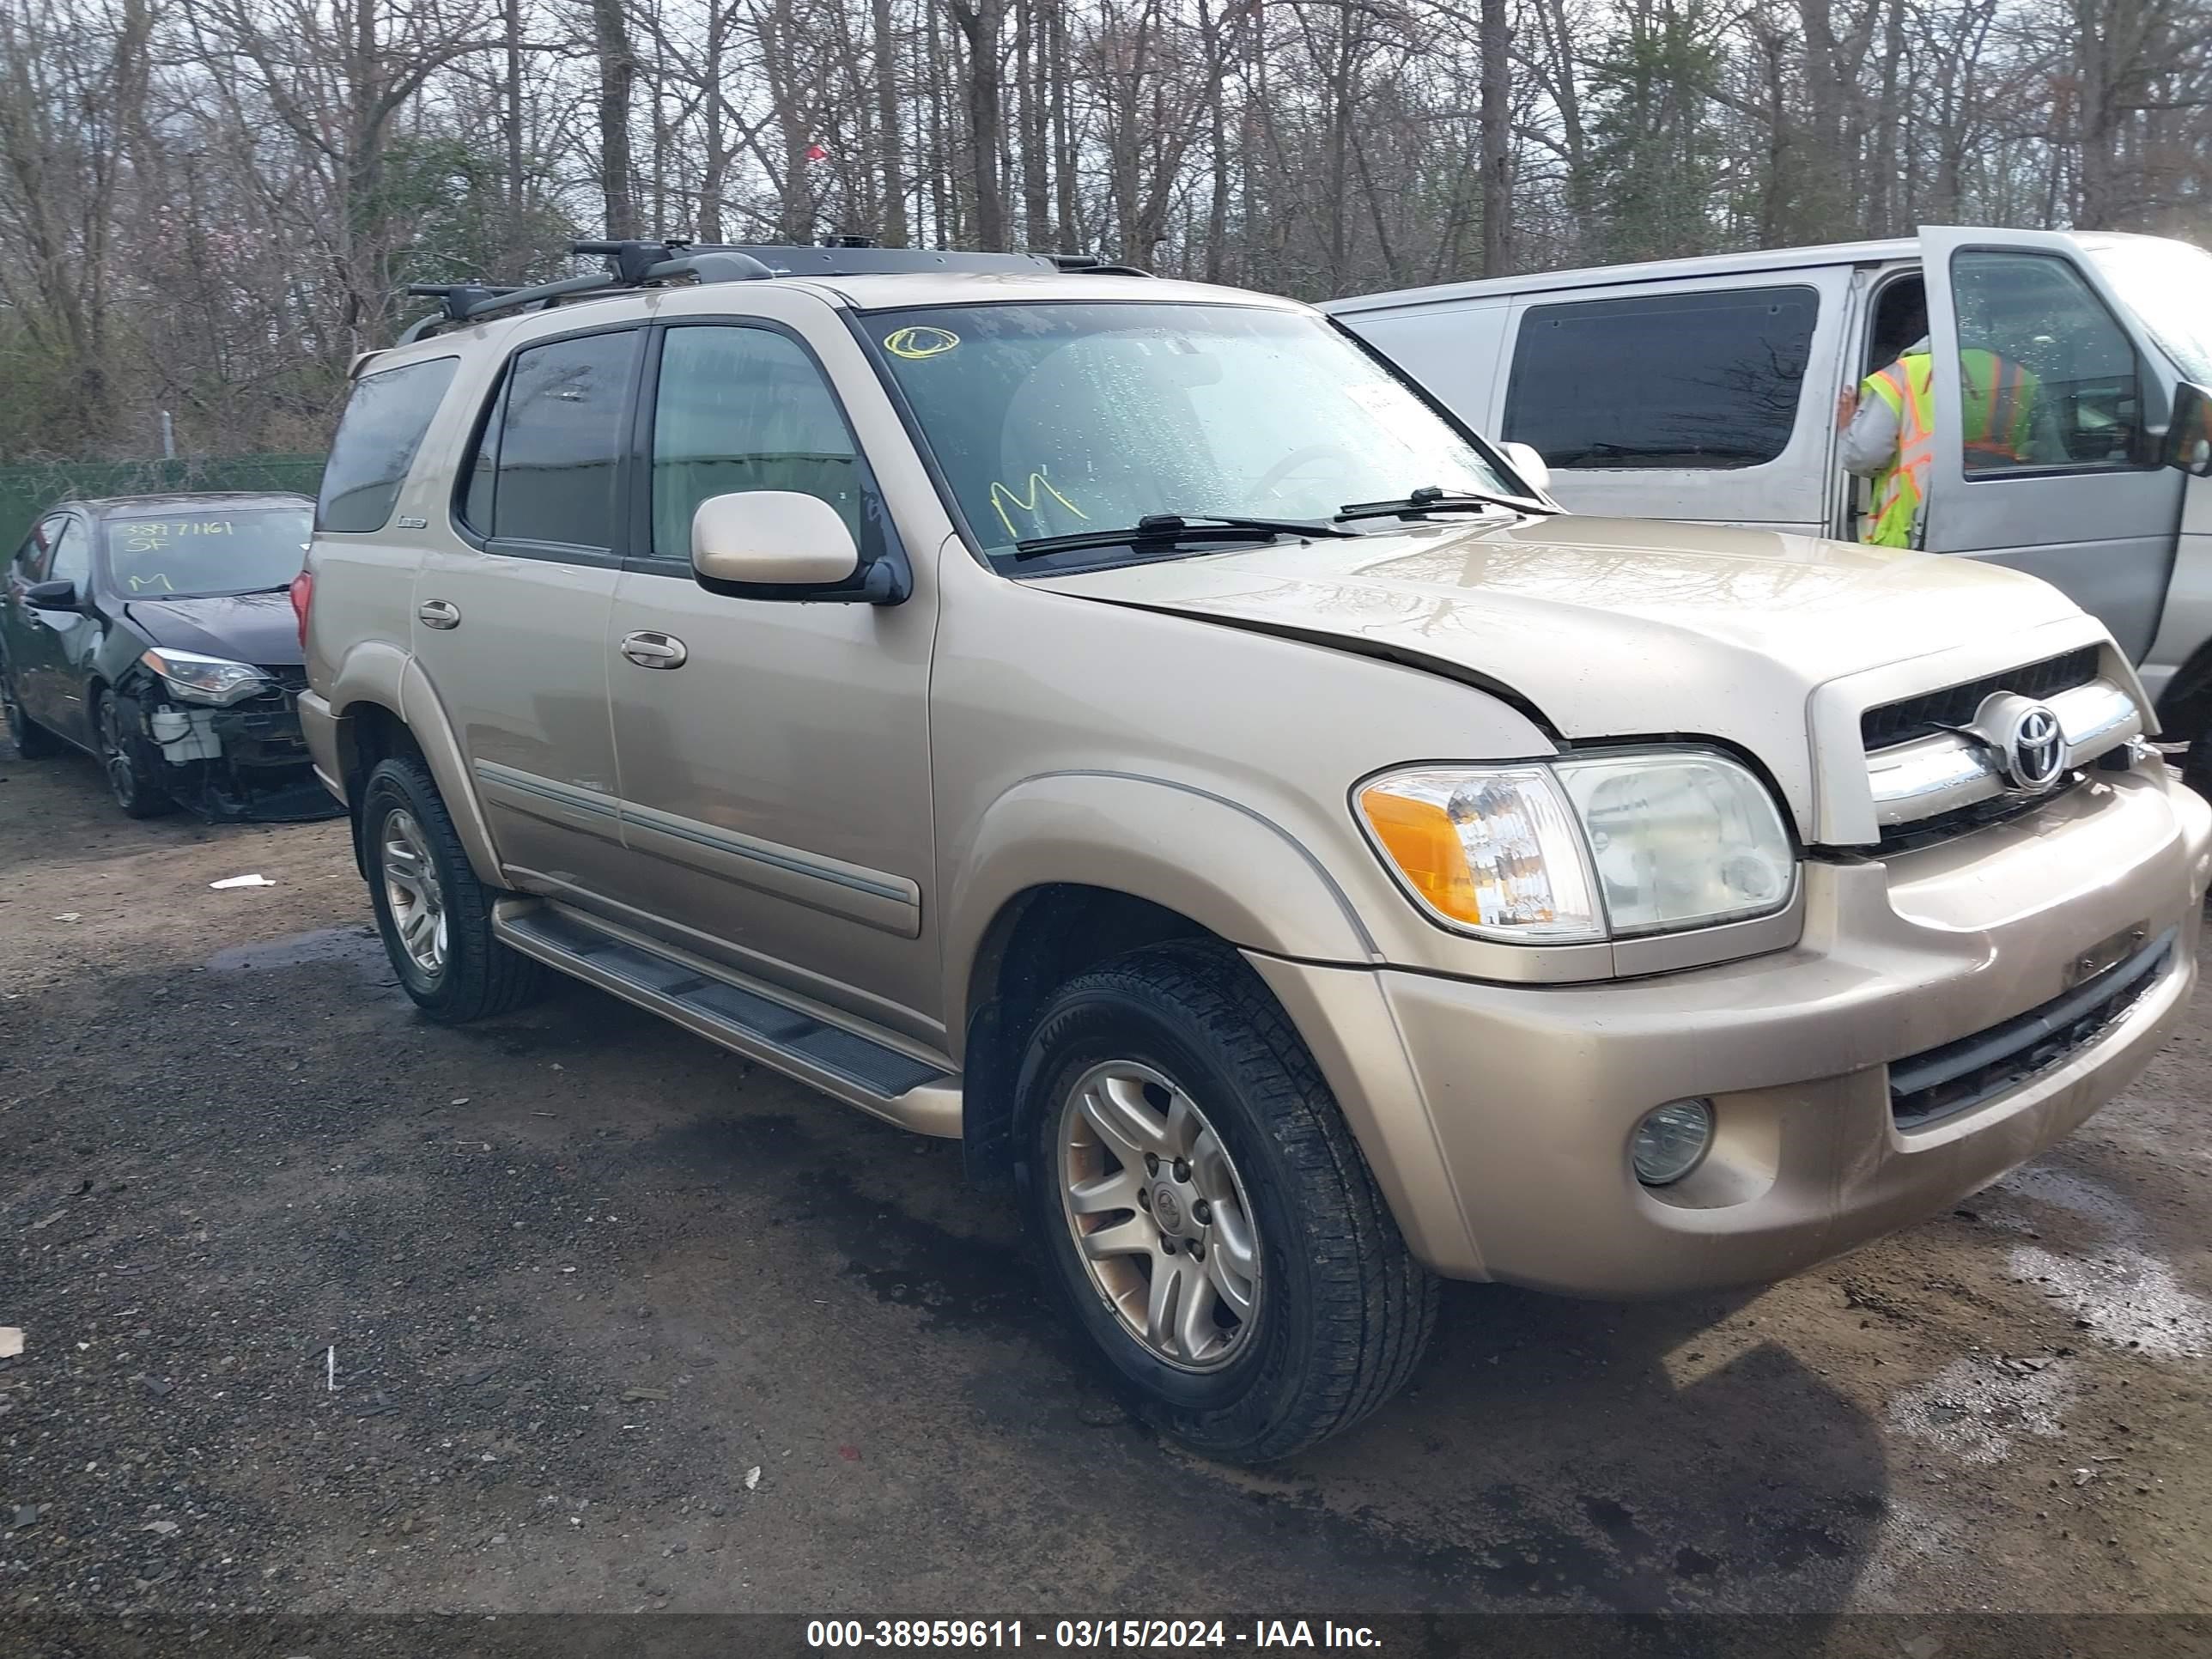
254,880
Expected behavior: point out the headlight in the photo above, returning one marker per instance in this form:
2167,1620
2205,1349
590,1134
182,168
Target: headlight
204,679
1584,847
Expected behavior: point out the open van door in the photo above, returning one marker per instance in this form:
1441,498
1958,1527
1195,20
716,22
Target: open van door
2046,454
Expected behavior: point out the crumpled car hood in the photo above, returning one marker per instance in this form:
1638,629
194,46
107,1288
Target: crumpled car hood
1613,627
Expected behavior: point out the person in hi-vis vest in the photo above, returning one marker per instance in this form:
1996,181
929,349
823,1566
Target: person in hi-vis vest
1889,430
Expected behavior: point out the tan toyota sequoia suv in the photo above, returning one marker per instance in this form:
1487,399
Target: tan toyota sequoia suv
1125,725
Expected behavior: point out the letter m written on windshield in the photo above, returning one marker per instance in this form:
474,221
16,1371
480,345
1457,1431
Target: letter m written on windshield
1025,500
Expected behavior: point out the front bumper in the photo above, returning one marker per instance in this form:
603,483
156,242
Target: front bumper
247,760
1498,1117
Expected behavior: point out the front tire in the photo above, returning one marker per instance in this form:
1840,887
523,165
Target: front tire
1203,1212
434,914
127,760
32,740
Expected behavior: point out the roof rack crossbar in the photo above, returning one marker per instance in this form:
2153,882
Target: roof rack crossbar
635,264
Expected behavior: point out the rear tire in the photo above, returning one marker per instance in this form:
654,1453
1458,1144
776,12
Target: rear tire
32,740
434,913
128,760
1301,1310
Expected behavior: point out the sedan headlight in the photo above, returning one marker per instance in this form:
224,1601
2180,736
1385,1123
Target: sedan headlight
204,679
1584,847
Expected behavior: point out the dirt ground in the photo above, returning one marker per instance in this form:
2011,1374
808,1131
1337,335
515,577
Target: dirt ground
327,1309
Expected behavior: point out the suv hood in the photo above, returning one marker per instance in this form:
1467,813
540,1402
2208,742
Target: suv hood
1615,627
250,628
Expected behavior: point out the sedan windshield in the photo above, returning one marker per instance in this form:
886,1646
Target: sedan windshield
2169,286
184,555
1070,416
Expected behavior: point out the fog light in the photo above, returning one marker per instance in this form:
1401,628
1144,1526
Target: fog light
1671,1141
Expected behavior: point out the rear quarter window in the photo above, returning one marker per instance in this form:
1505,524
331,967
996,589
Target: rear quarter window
383,427
1695,381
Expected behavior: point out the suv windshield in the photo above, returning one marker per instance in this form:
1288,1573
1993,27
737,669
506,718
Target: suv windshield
2169,286
186,555
1070,416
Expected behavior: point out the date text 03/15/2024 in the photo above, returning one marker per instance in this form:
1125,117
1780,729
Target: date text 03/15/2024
1087,1634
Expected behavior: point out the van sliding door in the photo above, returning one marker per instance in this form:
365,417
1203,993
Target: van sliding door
1708,398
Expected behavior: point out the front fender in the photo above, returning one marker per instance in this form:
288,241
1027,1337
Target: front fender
1219,862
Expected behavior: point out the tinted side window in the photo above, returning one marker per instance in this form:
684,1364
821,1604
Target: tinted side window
744,409
31,558
559,435
384,423
72,559
1665,381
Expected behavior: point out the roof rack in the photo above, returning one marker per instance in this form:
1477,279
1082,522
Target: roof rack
633,264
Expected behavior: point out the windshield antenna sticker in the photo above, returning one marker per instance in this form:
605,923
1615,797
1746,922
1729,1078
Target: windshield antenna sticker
915,343
1002,498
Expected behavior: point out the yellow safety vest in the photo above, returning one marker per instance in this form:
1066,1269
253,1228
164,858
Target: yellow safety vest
2000,408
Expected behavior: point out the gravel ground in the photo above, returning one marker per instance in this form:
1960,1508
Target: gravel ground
329,1310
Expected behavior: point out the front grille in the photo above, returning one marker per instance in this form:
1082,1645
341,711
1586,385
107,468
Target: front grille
1955,705
1965,820
1940,1083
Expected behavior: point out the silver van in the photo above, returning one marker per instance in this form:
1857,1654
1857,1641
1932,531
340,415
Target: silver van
1706,390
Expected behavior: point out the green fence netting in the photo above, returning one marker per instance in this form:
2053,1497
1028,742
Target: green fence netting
25,490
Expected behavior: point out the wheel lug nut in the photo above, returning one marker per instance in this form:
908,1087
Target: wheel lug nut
1182,1168
1152,1164
1144,1200
1202,1210
1197,1251
1167,1247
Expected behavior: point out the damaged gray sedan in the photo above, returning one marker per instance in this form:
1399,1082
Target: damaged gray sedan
158,633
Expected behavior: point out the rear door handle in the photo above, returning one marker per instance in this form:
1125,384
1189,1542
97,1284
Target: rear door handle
651,650
436,613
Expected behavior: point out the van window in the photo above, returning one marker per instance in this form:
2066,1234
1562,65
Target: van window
2046,376
742,408
1673,380
384,420
555,436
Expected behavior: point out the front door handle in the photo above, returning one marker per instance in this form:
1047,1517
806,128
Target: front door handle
436,613
651,650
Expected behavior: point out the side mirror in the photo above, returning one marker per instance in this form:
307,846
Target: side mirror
51,596
1534,469
772,544
2189,435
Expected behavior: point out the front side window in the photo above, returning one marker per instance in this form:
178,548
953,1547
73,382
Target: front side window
383,426
1064,417
36,550
548,461
72,556
740,408
206,553
1704,381
2046,377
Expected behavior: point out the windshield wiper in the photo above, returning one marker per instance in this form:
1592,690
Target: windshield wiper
1171,529
1431,500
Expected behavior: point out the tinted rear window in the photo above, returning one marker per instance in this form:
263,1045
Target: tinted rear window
384,421
1675,380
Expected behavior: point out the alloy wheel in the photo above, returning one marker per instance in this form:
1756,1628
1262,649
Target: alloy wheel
1158,1215
412,890
115,756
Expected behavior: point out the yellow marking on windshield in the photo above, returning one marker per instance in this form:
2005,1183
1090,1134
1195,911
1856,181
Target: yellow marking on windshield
917,343
1038,484
140,584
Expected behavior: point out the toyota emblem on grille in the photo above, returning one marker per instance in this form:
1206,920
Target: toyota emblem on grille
2036,753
